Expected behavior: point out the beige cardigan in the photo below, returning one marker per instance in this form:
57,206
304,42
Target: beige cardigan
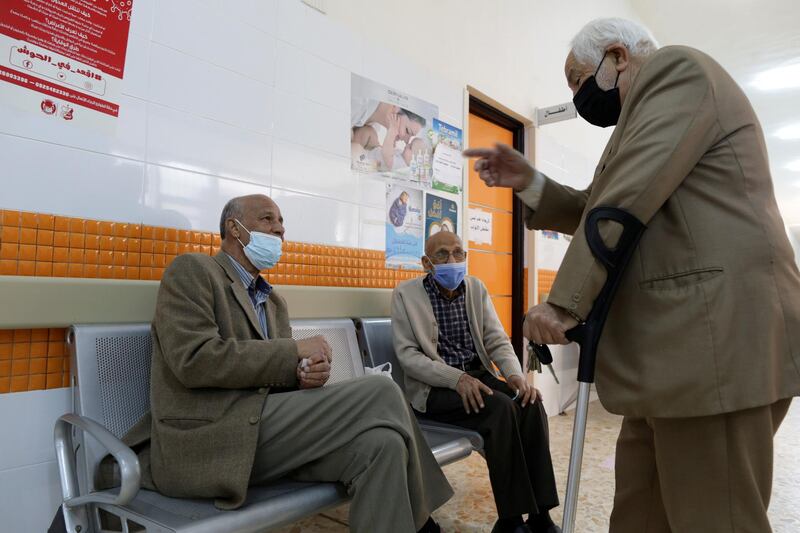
416,338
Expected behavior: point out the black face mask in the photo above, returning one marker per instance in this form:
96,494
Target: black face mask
596,106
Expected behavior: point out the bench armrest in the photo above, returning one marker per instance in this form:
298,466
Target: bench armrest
130,471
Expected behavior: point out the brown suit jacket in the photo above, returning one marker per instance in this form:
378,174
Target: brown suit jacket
211,372
707,318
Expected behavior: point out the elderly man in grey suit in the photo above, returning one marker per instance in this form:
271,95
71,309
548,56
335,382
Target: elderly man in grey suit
236,401
448,340
701,351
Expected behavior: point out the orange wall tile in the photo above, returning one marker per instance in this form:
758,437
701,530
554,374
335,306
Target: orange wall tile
502,304
545,279
493,269
36,244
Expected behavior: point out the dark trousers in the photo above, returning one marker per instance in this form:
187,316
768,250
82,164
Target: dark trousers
516,444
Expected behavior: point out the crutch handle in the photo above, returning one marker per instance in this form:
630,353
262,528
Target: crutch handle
587,334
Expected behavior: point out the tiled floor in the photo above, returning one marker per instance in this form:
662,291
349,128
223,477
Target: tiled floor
472,508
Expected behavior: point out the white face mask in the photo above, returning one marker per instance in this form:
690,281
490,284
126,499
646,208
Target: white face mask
263,250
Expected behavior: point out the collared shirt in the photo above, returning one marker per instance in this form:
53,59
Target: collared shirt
258,290
455,344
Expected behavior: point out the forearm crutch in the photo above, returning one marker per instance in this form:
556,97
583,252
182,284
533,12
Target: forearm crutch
587,334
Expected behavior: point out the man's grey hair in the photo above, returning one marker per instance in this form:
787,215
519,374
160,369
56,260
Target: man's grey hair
232,209
590,44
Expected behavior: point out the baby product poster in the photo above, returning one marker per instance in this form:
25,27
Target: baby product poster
447,159
391,132
404,235
441,214
64,59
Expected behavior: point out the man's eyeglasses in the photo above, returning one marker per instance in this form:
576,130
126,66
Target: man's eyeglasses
443,256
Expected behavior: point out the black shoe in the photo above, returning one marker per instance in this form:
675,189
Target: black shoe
430,527
505,525
548,528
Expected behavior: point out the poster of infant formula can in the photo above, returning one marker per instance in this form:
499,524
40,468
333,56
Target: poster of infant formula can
64,59
404,232
441,214
448,163
391,132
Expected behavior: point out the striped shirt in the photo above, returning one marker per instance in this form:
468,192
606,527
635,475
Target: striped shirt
258,290
455,344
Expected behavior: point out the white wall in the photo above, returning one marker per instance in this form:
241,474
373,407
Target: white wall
30,491
221,99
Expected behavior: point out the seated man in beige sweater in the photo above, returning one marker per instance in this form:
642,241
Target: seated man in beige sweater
448,340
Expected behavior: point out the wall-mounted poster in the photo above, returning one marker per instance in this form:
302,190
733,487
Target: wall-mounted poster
441,214
391,132
447,159
404,235
64,58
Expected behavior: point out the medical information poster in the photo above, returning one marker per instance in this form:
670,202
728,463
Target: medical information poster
404,231
64,58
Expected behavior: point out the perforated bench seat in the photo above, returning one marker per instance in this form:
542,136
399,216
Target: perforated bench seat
377,347
111,371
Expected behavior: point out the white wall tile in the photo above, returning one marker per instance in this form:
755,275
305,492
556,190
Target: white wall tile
334,223
390,69
189,200
290,74
330,129
303,169
126,139
190,84
302,73
371,191
327,84
372,228
137,64
142,18
314,32
49,178
29,497
261,14
37,444
301,121
235,45
186,141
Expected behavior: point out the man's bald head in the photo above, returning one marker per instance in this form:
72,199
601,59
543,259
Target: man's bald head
443,247
442,240
257,212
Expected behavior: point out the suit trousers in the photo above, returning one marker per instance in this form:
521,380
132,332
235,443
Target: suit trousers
363,434
710,474
516,444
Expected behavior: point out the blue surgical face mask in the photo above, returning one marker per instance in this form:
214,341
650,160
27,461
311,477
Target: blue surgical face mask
450,275
263,250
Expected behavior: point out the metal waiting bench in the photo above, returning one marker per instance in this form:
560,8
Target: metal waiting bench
110,381
377,347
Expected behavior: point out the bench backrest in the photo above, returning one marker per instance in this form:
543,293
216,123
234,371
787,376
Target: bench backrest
111,374
377,345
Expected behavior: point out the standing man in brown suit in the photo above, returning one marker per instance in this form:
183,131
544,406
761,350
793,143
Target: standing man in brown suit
236,401
701,351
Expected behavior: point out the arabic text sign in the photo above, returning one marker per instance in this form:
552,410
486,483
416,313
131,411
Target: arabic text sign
480,226
70,50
